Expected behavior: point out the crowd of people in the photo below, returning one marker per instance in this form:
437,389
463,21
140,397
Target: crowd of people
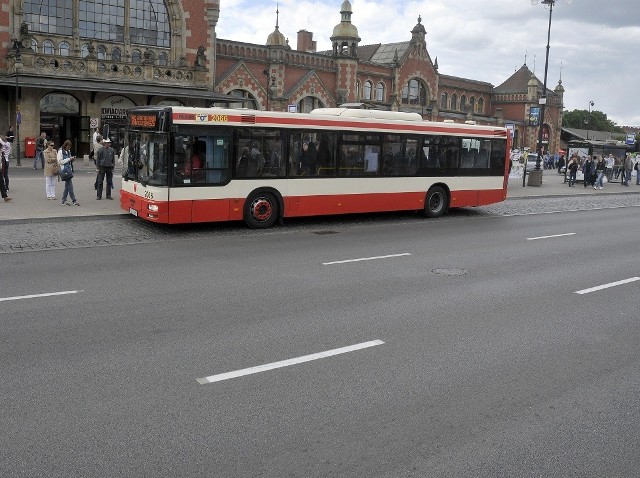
599,170
57,165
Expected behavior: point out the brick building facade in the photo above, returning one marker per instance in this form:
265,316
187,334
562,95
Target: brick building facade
88,61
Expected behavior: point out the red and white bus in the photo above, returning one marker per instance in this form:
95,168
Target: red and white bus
186,165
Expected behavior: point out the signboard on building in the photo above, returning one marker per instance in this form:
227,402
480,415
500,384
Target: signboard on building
534,116
631,138
115,108
511,128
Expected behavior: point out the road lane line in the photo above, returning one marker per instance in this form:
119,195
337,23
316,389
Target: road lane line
606,286
34,296
285,363
549,237
365,259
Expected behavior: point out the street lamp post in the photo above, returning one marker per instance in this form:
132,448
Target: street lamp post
588,120
543,98
266,73
17,60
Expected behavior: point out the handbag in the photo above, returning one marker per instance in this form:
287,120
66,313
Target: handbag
56,168
66,173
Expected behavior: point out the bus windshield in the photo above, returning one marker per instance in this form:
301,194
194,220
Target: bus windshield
146,158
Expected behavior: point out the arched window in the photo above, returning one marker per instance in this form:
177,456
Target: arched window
34,45
463,103
101,52
47,47
163,59
472,104
252,104
414,93
480,109
145,22
64,49
116,54
367,90
380,92
84,51
454,101
444,101
136,56
149,23
309,103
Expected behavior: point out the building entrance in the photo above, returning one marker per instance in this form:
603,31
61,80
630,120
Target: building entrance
60,119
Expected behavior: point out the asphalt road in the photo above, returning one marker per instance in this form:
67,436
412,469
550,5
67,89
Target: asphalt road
480,360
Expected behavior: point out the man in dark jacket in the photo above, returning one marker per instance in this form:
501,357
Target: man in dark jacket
588,168
105,163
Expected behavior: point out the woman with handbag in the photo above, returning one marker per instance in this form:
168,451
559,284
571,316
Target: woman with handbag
50,170
65,161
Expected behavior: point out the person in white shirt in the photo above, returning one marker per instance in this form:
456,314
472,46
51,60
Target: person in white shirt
609,161
5,151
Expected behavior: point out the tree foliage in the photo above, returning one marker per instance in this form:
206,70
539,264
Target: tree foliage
596,120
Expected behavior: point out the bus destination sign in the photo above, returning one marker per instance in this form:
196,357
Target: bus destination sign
143,121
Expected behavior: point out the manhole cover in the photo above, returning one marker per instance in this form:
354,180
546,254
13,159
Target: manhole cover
449,271
321,233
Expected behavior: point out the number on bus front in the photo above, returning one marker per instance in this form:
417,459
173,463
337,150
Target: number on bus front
148,194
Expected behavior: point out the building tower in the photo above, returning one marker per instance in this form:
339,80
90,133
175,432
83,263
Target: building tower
345,41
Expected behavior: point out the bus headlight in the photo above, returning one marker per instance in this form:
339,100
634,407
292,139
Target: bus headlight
152,207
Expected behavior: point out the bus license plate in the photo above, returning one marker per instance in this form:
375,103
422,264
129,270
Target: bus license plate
133,211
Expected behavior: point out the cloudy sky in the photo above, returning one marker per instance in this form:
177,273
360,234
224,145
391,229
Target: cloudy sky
595,41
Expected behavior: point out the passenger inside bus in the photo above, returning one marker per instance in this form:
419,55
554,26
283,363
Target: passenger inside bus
325,160
242,167
308,159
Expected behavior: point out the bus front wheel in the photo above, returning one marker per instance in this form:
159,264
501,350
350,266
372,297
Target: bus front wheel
437,202
261,210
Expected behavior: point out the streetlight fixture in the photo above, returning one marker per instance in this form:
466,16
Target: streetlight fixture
588,119
543,98
271,79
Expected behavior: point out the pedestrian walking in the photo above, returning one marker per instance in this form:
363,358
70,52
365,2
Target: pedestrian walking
561,162
637,169
3,191
106,163
5,152
628,167
10,137
600,168
587,171
97,146
50,170
65,157
610,161
94,142
572,167
41,145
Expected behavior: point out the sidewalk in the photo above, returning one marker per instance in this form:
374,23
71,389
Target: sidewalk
553,185
26,187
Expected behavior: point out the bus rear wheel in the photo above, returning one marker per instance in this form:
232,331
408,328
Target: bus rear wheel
437,202
261,210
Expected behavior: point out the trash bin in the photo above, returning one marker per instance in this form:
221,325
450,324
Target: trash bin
29,147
